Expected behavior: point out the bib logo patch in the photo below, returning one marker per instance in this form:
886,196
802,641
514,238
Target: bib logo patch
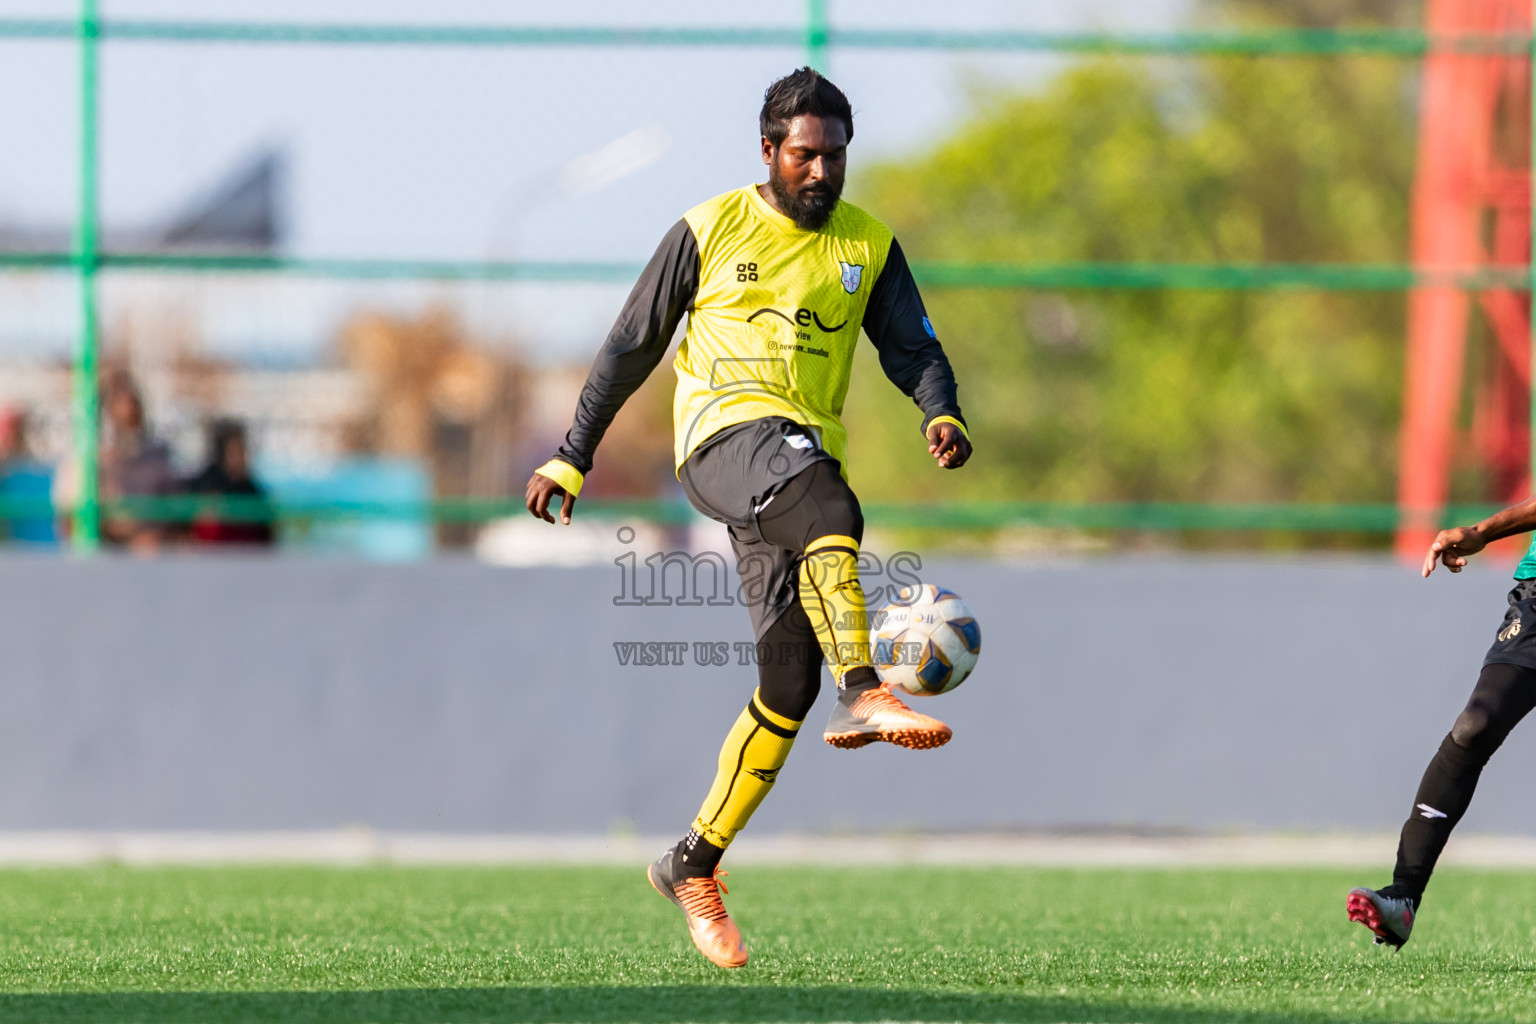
853,273
1510,631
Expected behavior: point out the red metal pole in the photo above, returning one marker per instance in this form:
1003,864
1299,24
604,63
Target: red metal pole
1452,191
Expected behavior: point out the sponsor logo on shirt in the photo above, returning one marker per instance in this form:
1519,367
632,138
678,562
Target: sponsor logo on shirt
800,325
803,317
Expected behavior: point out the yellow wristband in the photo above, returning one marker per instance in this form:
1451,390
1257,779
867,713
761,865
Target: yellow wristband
950,419
564,474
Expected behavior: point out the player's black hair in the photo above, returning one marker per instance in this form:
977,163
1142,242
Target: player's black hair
802,91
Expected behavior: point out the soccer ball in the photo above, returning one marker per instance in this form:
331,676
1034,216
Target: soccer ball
926,641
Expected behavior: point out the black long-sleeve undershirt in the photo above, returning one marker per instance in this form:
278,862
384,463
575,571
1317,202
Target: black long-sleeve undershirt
910,354
637,342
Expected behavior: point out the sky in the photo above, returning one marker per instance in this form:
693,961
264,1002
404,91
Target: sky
464,153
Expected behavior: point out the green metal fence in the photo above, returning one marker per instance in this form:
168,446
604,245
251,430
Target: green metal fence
972,515
816,38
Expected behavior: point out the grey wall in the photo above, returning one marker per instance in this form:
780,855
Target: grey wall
456,697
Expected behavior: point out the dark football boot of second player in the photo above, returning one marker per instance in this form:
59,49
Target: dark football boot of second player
1389,916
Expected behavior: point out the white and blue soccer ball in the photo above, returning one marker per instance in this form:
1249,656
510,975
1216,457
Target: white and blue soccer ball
926,641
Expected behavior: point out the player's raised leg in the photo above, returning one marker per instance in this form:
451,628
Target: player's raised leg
818,513
1503,696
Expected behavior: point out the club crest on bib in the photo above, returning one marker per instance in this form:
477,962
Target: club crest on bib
853,273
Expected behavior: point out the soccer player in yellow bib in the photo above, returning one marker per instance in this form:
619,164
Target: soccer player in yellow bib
777,281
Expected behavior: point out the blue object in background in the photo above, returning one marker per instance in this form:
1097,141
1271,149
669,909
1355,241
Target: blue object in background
30,480
362,482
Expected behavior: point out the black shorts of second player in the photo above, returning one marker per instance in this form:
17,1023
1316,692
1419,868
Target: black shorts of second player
1515,642
777,490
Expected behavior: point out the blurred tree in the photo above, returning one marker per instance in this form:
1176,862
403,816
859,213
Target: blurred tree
1169,395
1313,13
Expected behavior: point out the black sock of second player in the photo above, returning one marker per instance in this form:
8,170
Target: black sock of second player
1443,797
698,856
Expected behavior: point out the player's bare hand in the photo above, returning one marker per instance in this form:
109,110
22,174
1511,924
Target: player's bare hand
541,491
947,443
1452,548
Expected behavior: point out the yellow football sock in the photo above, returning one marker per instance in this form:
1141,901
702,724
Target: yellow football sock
834,602
754,751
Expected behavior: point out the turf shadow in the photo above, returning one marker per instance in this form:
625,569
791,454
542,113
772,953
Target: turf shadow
607,1004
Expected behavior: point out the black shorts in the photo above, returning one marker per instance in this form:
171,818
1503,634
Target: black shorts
732,477
1515,643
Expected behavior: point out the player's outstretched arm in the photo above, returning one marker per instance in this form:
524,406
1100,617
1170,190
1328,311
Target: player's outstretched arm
639,339
913,359
1452,547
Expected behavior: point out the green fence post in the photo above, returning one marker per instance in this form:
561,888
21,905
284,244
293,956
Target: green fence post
87,520
816,34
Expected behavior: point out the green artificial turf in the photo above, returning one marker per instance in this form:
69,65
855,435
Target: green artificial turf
596,944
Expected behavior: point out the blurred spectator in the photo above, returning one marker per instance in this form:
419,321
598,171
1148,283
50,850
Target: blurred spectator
25,484
14,445
228,473
134,464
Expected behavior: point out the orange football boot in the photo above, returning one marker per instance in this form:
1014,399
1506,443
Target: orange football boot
710,927
867,715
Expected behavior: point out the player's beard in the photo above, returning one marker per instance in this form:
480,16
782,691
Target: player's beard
810,207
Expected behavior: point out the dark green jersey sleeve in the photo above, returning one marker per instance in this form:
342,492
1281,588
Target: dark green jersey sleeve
910,353
637,342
